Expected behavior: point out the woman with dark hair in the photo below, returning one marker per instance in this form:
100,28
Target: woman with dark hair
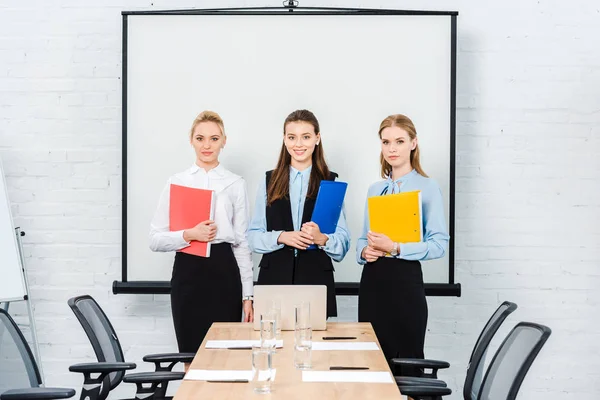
281,228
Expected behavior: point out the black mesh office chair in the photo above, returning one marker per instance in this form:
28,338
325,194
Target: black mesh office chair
476,361
19,374
507,369
106,345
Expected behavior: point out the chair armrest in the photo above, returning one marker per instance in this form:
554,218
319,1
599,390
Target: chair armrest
37,393
152,384
434,365
170,358
92,385
424,391
99,367
153,377
416,381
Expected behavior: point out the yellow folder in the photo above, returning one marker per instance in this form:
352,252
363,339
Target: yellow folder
398,216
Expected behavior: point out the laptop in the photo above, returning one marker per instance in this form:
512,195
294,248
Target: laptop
289,296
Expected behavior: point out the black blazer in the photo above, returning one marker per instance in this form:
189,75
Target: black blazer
301,267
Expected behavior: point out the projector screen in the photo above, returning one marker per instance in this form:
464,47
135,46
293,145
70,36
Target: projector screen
350,70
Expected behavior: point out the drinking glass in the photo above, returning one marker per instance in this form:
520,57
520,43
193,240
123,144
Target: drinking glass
262,369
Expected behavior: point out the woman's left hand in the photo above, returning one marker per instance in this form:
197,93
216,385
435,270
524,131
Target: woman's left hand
313,230
380,242
248,311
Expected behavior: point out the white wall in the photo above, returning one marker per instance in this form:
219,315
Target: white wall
527,190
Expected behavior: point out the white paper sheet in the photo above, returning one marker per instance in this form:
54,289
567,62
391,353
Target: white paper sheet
224,344
219,375
216,375
347,376
361,346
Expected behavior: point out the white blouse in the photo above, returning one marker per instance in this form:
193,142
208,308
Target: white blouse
231,216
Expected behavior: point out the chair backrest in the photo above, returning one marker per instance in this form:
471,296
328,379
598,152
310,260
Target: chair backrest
512,361
476,366
101,333
18,369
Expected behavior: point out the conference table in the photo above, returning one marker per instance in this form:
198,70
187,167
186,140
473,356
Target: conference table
288,383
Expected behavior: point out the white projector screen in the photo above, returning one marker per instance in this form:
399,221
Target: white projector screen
350,70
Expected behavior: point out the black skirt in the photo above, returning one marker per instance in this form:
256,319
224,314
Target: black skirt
203,291
392,298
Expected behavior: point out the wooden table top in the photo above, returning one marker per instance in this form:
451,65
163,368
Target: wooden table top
288,383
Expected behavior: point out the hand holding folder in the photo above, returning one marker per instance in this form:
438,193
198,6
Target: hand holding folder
398,216
187,208
328,206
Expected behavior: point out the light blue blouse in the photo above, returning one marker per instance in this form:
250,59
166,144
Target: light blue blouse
435,234
262,241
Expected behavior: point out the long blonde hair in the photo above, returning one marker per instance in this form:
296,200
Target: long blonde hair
401,121
208,116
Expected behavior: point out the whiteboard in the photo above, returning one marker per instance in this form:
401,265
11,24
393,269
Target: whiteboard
351,71
12,285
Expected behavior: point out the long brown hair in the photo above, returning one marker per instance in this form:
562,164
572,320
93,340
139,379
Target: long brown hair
401,121
279,186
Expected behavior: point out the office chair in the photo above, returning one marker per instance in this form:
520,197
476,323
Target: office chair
107,348
476,360
507,369
19,374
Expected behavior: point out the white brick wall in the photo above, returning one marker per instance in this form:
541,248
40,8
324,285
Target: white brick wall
527,201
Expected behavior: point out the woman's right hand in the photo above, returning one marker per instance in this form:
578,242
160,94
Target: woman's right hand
297,239
205,231
371,255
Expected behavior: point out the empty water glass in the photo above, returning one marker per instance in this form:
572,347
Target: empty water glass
302,315
262,369
302,336
268,329
275,308
303,348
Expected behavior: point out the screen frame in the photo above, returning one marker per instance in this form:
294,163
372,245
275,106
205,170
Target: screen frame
451,288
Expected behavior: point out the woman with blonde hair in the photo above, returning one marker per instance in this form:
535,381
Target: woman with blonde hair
216,288
391,294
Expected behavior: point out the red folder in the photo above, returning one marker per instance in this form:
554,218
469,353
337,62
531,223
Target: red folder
187,208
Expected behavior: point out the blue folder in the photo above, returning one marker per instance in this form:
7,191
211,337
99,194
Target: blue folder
328,206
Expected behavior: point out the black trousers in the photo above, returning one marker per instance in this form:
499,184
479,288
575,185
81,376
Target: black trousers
203,291
392,298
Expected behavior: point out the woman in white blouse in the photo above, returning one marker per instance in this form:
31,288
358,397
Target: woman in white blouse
213,289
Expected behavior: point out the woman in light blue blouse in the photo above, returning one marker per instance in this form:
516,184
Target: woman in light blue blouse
281,228
391,294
